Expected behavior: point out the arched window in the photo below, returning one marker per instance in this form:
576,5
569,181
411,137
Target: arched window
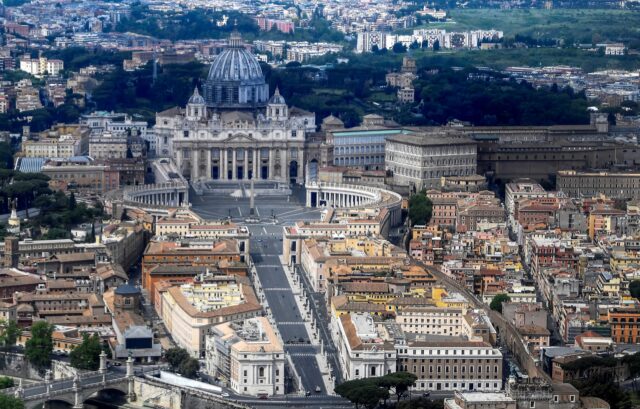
261,371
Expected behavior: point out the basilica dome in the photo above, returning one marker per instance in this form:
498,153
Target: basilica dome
235,79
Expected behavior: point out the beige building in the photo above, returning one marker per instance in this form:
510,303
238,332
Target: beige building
623,185
108,146
361,222
406,95
185,223
248,356
319,254
430,320
190,310
83,176
64,147
421,160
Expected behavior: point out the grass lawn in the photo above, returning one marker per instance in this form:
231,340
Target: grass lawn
582,26
531,57
382,97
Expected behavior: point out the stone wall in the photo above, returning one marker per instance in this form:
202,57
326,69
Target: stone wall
157,394
16,365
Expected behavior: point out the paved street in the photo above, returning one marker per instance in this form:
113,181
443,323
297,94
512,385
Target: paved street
266,247
265,251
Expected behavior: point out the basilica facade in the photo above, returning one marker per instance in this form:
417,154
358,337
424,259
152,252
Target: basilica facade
234,130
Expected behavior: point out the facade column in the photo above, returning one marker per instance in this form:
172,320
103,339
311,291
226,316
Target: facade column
194,165
272,152
256,154
302,168
246,164
234,176
284,163
225,164
221,163
179,159
208,170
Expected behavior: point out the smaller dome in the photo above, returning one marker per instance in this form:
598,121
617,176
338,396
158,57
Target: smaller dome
127,289
196,98
277,99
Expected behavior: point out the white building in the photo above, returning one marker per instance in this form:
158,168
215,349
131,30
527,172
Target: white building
519,190
39,67
116,123
363,347
423,159
234,131
248,356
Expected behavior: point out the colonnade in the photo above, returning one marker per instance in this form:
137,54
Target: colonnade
241,163
161,194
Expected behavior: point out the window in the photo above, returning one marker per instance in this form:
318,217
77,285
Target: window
357,372
572,398
261,371
532,404
556,398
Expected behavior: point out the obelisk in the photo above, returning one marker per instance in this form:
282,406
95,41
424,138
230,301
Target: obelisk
252,210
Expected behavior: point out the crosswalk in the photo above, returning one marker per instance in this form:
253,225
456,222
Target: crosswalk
277,289
303,354
290,323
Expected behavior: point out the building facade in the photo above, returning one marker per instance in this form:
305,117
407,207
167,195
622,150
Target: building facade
422,159
234,131
612,184
248,356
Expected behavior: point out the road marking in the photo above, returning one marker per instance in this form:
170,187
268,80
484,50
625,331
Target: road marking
257,212
239,211
264,229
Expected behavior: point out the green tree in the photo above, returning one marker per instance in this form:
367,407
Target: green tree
72,201
175,357
364,392
399,381
189,367
87,355
399,48
634,288
9,402
420,208
6,382
496,302
39,347
9,333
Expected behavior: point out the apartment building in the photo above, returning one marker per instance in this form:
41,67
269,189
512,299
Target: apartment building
362,349
191,309
248,356
451,363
